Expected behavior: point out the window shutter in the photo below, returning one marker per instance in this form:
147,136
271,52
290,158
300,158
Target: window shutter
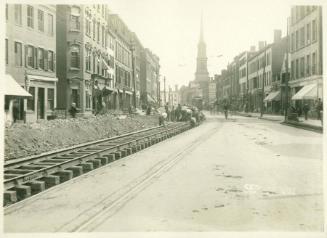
35,58
26,48
45,52
54,62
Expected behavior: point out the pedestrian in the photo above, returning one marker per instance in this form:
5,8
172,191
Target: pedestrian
225,107
73,110
319,107
306,109
172,114
15,111
148,110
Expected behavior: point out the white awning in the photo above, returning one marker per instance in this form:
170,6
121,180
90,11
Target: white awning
129,92
12,88
273,96
150,98
307,92
42,78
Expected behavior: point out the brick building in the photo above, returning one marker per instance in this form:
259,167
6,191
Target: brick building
30,50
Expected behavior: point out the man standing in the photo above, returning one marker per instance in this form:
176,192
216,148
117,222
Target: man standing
306,109
319,108
73,110
225,107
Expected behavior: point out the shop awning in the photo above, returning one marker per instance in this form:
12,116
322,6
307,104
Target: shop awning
129,92
273,96
12,88
42,78
307,92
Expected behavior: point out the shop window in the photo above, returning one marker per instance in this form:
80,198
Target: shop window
50,98
30,100
18,54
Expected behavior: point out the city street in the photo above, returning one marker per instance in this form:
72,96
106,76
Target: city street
240,174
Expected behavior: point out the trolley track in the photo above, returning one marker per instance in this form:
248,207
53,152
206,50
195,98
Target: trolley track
28,176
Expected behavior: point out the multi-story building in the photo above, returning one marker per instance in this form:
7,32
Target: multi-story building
85,57
212,91
149,77
173,97
306,54
30,57
123,61
138,49
264,74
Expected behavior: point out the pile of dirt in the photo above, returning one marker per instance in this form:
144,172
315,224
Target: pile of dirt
22,140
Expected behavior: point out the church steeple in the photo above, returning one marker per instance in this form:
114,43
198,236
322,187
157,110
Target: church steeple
201,66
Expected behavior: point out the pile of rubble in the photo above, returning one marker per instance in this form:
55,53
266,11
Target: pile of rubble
29,139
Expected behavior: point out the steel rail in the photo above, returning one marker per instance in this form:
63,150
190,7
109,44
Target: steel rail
66,161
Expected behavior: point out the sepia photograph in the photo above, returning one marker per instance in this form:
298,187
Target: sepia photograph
163,117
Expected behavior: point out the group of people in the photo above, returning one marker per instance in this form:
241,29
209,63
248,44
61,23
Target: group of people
318,108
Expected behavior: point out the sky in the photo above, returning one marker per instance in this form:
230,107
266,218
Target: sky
171,29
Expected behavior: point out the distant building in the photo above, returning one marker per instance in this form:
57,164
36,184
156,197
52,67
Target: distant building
150,68
212,91
173,97
30,50
306,54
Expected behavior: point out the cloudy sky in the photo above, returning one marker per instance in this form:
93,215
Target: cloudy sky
171,28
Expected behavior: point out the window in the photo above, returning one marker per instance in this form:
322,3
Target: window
30,16
50,24
302,67
94,60
18,54
74,22
98,65
88,27
314,63
87,100
98,32
40,20
74,62
314,30
302,39
293,42
50,60
7,51
292,70
50,98
40,57
88,60
29,56
297,40
308,33
30,100
297,69
102,36
18,14
6,11
308,65
94,28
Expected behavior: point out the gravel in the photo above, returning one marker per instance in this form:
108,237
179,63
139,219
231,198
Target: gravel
23,140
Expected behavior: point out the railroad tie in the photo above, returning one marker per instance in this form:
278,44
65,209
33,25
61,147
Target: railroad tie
103,160
129,151
22,191
36,186
87,167
111,157
64,175
123,153
50,180
77,170
96,163
9,197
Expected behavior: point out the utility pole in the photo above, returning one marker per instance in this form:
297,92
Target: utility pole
263,83
164,90
287,74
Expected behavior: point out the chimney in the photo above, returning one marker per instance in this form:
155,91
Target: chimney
252,48
277,35
261,45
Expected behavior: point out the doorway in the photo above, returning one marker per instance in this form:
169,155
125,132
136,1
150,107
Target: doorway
40,103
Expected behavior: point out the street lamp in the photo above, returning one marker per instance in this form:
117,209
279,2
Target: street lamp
133,72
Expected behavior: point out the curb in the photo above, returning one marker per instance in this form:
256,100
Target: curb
303,126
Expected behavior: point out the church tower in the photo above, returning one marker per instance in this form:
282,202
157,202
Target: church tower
201,74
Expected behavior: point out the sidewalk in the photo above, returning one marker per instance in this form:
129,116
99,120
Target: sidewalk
310,124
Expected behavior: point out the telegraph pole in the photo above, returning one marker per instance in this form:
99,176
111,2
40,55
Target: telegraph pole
164,90
263,83
287,74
